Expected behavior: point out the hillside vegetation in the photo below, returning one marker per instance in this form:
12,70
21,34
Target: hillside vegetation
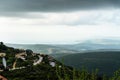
106,61
26,65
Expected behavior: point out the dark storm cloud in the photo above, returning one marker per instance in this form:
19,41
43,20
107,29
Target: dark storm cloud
23,6
21,15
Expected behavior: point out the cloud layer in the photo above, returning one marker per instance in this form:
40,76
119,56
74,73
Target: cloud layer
55,5
63,21
56,34
94,17
8,7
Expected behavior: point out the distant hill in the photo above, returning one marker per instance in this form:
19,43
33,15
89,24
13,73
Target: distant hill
87,45
104,44
106,61
42,48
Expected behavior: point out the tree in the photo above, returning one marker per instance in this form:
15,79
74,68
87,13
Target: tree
1,43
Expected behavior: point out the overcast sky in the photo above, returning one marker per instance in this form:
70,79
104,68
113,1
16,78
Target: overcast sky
58,21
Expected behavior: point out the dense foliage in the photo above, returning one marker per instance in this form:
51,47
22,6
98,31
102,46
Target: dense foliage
106,61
